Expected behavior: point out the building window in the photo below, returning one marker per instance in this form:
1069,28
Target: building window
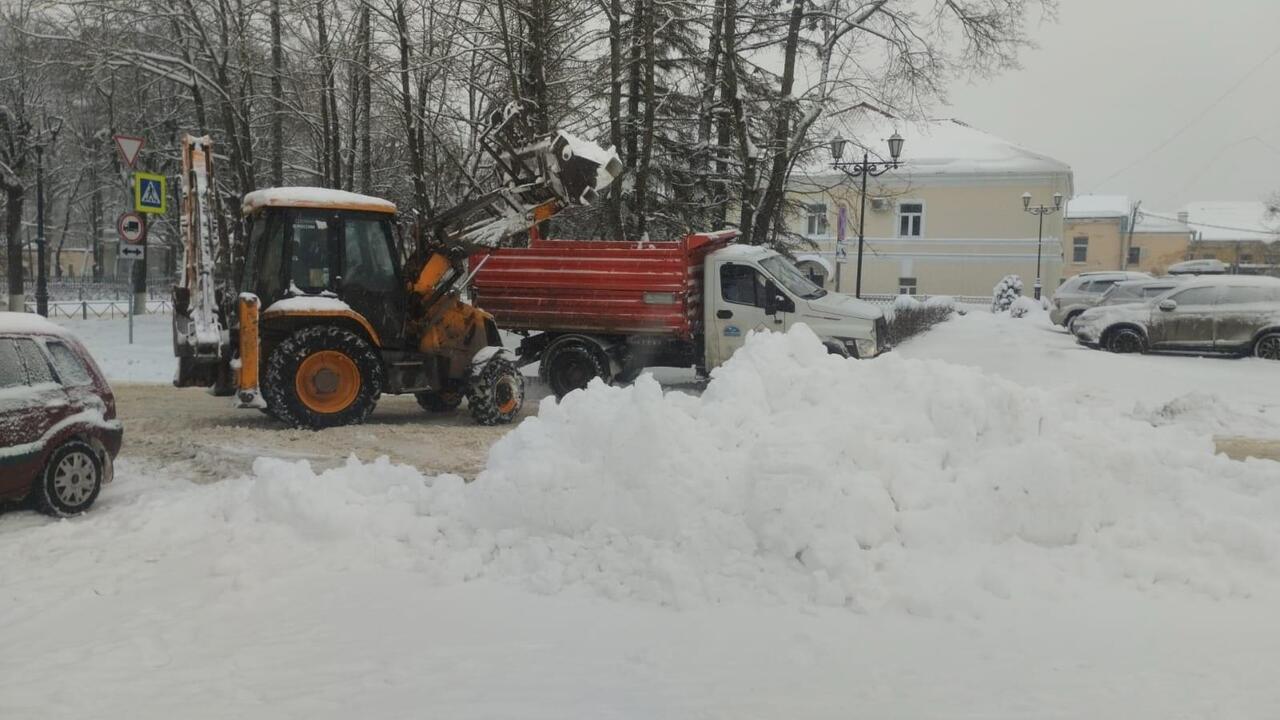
910,219
818,219
1135,255
1246,257
1080,250
906,286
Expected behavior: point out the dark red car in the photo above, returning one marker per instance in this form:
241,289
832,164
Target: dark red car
58,429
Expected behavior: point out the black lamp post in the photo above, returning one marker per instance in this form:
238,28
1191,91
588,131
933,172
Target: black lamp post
1041,211
862,170
42,279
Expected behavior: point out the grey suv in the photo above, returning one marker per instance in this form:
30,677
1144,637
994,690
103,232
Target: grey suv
1085,291
1237,314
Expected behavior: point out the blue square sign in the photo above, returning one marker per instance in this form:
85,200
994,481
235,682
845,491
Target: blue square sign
149,194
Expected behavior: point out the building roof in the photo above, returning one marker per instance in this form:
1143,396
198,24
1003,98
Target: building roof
930,148
1097,206
1232,221
1155,221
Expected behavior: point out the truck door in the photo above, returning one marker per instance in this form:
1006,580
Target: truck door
740,308
369,277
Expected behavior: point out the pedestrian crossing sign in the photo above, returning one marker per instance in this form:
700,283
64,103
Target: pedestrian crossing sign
149,194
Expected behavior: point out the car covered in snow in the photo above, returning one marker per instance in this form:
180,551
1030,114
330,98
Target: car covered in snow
1138,291
59,433
1084,291
1234,314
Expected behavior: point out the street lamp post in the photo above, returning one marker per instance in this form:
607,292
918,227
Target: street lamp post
1040,211
862,170
42,279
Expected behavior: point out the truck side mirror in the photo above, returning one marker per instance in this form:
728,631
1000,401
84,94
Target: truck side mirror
770,298
1168,305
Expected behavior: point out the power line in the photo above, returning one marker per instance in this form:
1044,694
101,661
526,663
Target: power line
1199,116
1189,221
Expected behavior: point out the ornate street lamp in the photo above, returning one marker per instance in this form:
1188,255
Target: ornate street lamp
1041,211
863,170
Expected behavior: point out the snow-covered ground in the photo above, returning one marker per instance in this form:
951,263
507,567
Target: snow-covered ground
1219,395
809,537
148,359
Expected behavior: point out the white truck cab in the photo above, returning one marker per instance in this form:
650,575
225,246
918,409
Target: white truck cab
754,288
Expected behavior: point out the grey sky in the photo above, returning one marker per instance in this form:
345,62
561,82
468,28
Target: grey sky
1114,79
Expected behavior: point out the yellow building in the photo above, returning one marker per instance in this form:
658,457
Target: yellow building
1098,237
1241,234
949,221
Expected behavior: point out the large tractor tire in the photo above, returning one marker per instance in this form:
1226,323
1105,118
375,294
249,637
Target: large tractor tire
322,377
570,364
496,392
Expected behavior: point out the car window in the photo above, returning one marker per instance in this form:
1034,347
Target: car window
1196,296
741,284
37,367
1238,295
1098,286
12,373
71,369
1154,290
366,256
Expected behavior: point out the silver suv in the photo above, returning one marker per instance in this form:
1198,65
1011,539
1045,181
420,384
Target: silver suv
1084,291
1237,314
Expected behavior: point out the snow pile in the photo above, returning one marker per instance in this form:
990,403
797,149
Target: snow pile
799,476
906,302
1023,306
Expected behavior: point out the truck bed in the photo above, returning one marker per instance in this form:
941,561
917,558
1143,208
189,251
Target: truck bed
607,287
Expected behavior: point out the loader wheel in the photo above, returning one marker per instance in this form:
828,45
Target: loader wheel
569,365
439,402
496,393
321,377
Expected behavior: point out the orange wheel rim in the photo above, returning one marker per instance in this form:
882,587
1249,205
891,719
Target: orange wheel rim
507,400
327,381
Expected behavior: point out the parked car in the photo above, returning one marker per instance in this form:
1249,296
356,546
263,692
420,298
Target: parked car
1137,291
1237,314
1085,291
58,429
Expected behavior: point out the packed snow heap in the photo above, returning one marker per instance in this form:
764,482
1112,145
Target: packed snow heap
796,477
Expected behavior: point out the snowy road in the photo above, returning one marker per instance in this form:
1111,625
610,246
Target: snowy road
1050,535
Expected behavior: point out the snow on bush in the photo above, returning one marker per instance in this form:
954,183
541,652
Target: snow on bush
906,302
1005,292
912,317
1023,305
796,477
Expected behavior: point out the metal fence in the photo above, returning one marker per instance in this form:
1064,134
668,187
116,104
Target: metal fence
889,299
98,309
67,289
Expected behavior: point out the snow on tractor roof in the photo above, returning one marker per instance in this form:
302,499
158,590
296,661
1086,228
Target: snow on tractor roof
23,323
314,197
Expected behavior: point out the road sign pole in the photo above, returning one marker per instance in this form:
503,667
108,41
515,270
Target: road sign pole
131,265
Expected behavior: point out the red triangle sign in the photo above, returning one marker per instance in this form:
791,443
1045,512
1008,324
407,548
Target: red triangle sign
129,147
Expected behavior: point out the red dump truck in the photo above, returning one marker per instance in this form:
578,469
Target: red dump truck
610,309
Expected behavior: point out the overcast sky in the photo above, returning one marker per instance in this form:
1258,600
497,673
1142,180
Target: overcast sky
1113,81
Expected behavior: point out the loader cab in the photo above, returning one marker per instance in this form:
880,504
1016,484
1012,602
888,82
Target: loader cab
342,249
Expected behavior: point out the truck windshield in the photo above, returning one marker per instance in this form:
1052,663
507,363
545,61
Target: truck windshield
790,277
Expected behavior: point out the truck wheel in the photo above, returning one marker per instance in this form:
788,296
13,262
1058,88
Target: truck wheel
321,377
496,393
439,401
569,365
71,480
1268,346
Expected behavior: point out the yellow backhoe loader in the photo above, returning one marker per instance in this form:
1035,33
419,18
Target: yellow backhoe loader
325,316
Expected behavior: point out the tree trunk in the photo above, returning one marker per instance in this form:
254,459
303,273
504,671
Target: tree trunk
416,168
643,169
615,113
776,186
14,195
277,98
701,160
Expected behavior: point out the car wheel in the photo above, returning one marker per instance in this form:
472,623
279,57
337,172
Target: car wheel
71,480
1070,324
1126,340
1268,346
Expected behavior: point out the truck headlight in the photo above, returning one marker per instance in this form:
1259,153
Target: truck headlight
866,347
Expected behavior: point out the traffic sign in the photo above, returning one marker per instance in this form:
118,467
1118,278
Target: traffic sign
149,194
129,147
132,229
842,253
